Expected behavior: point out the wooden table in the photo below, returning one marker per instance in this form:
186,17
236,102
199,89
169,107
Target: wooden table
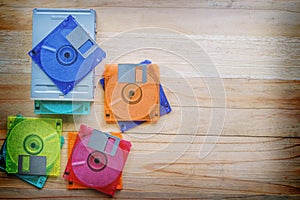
231,70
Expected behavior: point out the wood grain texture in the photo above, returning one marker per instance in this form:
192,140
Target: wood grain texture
240,140
231,168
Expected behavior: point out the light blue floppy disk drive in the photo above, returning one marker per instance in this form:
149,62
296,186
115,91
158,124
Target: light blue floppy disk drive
49,98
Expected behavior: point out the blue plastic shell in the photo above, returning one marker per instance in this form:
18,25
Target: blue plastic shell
65,63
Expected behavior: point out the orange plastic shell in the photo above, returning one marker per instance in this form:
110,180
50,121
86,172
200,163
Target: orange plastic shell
131,101
71,140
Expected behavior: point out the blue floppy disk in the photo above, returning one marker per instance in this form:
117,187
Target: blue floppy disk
67,54
44,20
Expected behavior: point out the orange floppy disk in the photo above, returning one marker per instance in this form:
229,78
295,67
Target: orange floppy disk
131,92
71,140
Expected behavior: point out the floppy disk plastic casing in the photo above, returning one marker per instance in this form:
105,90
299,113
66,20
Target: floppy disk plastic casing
43,22
131,92
71,140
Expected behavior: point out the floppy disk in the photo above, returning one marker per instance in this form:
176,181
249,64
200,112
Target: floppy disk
164,107
97,160
131,92
71,140
36,180
61,107
48,23
67,54
33,146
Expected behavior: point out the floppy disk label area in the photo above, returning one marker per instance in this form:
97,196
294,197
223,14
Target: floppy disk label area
33,165
82,41
99,140
132,73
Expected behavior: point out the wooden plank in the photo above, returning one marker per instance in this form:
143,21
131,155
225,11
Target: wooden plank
227,21
215,56
207,56
291,5
207,121
194,21
238,93
236,165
